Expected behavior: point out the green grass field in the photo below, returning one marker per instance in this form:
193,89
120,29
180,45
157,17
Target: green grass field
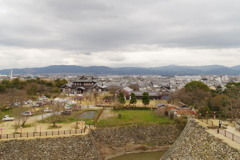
136,117
13,111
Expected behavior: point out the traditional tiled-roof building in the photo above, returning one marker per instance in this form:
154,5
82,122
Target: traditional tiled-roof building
82,84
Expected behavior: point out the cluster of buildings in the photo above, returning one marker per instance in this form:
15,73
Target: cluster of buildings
157,86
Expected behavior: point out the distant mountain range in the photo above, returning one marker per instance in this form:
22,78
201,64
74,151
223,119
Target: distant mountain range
163,70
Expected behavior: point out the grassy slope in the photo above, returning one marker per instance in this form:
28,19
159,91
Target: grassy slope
137,117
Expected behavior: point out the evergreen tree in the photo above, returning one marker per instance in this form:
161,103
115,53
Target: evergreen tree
133,98
32,90
121,98
196,85
145,98
2,88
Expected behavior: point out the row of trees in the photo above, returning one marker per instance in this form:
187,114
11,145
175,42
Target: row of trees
19,91
32,85
133,100
199,96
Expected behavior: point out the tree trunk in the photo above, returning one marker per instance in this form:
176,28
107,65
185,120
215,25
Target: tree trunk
23,123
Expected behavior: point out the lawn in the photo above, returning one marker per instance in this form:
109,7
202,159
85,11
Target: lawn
136,117
13,111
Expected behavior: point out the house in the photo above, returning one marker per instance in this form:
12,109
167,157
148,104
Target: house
152,94
82,84
143,86
184,112
160,105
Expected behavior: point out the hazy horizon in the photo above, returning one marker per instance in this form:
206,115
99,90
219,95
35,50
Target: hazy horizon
122,66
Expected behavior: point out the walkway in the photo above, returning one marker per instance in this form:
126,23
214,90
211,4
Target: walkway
220,136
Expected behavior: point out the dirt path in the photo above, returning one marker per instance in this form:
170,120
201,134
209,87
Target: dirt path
8,127
107,113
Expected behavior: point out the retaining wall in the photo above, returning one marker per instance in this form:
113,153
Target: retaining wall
152,135
97,145
73,147
195,143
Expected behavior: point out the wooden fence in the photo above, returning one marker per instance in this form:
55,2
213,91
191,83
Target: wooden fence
229,135
45,133
224,132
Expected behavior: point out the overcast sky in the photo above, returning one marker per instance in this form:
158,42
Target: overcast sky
118,33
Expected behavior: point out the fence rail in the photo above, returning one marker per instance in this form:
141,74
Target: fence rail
224,132
45,133
230,135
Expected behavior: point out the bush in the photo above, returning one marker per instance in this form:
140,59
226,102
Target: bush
119,115
144,148
181,120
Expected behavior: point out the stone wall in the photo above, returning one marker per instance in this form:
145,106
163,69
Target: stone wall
97,145
153,135
123,140
74,147
195,143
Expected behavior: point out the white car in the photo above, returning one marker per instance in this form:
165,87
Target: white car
27,113
7,118
67,107
46,110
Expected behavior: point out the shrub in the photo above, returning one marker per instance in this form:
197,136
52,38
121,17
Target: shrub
181,120
119,115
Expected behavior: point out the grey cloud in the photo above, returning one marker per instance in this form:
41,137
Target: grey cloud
87,53
78,27
111,25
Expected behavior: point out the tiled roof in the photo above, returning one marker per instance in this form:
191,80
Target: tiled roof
185,112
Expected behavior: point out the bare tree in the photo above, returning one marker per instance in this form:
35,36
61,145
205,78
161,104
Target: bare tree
19,119
3,102
230,104
112,89
95,95
56,108
196,97
87,98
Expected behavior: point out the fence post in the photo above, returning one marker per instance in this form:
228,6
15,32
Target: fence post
27,134
64,132
7,136
52,133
